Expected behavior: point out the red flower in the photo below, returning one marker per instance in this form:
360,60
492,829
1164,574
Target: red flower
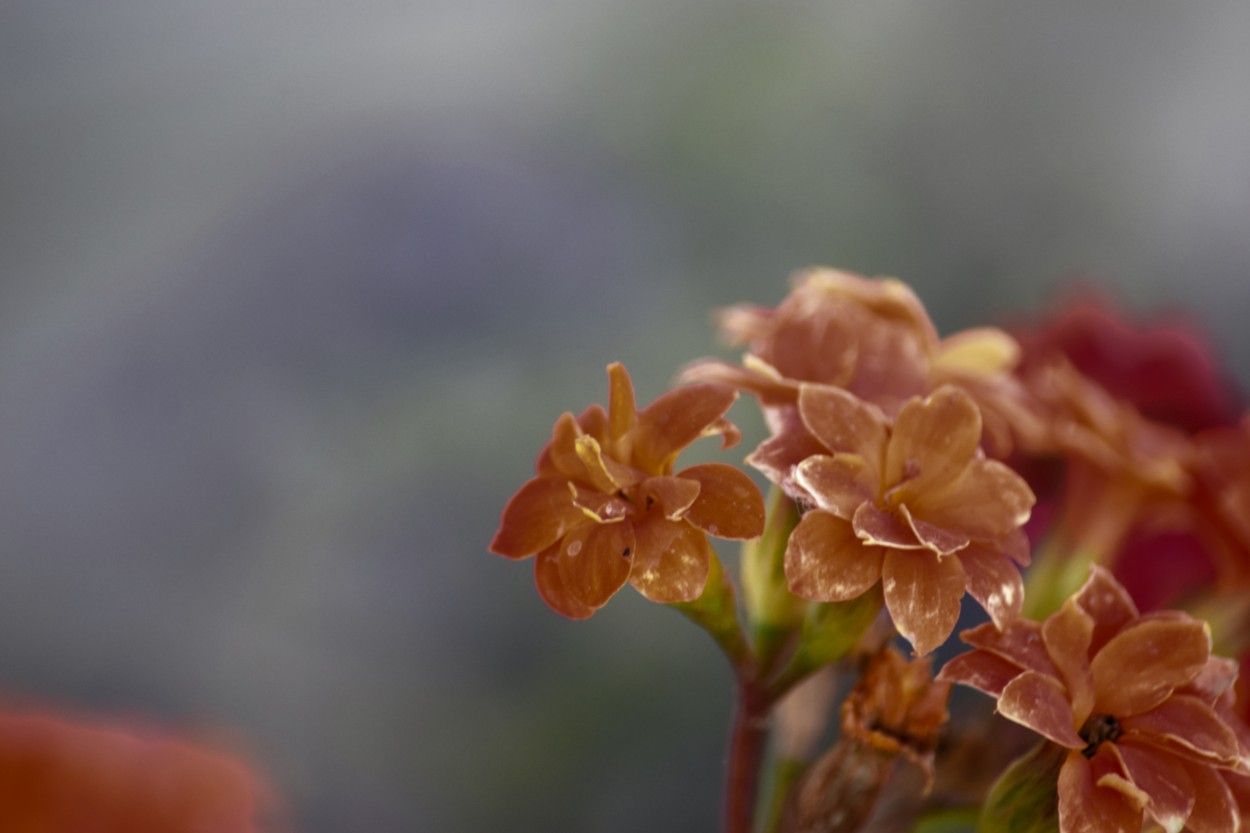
606,507
915,504
61,777
1133,698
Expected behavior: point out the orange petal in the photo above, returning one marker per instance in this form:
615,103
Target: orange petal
553,590
935,538
1066,634
1163,778
729,504
677,419
981,670
839,484
778,456
877,526
1020,643
1189,724
826,562
672,561
1084,807
671,495
622,411
538,515
934,440
599,507
560,456
594,561
758,378
1104,599
1141,665
985,351
984,501
844,423
993,580
922,593
1041,704
1215,809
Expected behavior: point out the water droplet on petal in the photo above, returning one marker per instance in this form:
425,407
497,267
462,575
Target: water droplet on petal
574,547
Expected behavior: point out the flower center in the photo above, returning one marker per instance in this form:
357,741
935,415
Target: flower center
1097,729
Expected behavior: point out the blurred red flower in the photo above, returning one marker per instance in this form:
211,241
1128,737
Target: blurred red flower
65,777
606,507
1137,700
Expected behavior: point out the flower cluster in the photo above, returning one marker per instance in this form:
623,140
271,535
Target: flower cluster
1088,450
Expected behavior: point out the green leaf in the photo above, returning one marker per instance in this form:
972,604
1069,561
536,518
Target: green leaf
1025,799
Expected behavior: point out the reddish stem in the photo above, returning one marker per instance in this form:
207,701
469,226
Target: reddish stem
746,751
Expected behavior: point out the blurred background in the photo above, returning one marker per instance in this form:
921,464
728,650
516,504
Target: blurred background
292,292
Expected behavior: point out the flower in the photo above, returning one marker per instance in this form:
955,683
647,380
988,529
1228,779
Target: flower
1134,700
58,776
916,505
873,338
606,507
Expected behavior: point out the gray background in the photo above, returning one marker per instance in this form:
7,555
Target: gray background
292,292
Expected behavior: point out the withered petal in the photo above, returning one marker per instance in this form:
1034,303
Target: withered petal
1186,722
839,484
934,440
826,562
1141,665
672,561
538,515
993,580
844,423
922,593
1085,807
981,670
887,529
729,504
675,420
594,561
1162,777
553,590
1040,703
1066,634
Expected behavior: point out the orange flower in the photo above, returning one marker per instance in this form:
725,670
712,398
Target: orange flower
874,339
915,504
606,507
1133,698
60,777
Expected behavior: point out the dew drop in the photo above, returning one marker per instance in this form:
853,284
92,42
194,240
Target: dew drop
574,547
711,528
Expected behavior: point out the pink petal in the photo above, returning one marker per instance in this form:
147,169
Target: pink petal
1189,724
981,670
1141,665
877,526
1216,677
1066,634
1215,808
1041,704
1164,779
993,580
1085,807
729,504
839,484
1020,643
594,561
934,440
826,562
1108,603
672,561
675,420
922,593
778,456
844,422
935,538
553,590
538,515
